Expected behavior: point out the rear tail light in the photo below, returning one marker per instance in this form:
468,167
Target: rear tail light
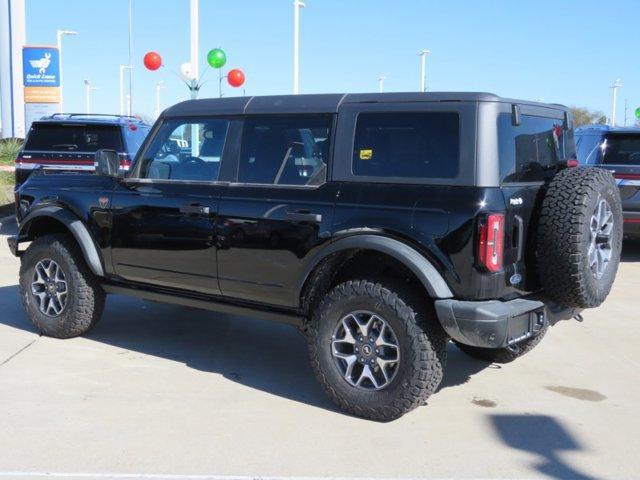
491,242
627,176
125,164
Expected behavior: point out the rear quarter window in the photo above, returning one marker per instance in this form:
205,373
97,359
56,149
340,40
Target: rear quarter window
531,151
409,145
621,149
73,138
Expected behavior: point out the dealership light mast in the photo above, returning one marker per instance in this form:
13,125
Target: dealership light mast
122,96
88,88
297,5
423,69
59,35
616,85
159,86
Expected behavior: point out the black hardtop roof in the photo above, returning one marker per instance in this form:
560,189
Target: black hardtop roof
94,118
324,103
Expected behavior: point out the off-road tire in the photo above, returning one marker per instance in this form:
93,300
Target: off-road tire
86,297
563,237
421,340
502,355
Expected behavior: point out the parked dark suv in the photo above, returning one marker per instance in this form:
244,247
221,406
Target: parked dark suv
67,142
617,149
382,225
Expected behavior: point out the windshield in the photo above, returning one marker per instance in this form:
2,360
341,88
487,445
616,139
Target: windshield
621,149
73,138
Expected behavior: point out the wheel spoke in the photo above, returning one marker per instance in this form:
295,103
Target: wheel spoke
49,287
365,350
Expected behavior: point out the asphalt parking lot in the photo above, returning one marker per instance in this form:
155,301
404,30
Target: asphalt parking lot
163,390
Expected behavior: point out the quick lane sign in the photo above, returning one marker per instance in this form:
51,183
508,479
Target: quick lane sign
40,66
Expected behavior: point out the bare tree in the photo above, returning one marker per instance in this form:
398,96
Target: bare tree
584,116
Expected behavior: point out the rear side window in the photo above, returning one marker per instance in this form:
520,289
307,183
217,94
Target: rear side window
587,149
410,145
285,150
621,149
73,138
135,135
530,151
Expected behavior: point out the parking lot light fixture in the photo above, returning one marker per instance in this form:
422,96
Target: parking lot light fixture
381,80
423,69
122,69
159,86
616,85
59,35
88,88
297,5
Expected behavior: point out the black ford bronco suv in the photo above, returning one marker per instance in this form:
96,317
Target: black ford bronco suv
382,225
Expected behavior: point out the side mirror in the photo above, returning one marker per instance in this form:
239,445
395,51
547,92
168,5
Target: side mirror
107,163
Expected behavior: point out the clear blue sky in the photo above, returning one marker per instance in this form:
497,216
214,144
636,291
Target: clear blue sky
559,51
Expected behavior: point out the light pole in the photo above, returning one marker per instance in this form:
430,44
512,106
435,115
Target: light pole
297,5
122,68
59,35
159,86
87,91
130,100
423,69
381,80
195,73
616,85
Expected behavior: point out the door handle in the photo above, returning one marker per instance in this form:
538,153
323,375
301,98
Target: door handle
304,217
195,209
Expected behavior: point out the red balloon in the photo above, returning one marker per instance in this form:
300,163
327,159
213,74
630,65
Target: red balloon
152,61
235,77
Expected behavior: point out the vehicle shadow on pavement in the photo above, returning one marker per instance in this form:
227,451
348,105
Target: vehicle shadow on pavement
543,436
630,251
259,354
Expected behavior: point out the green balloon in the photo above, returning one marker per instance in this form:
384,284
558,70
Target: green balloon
638,112
216,58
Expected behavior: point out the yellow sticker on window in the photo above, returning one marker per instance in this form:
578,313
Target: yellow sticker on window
366,154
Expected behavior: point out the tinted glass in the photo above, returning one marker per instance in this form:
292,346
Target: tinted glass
288,150
73,138
587,149
134,136
186,150
621,149
530,151
415,145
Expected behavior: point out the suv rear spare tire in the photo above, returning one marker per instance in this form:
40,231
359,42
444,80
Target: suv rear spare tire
579,237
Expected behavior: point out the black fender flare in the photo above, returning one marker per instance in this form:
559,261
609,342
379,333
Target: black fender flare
77,229
428,275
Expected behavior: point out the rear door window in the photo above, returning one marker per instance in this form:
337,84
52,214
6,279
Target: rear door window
621,149
408,144
73,138
285,150
531,151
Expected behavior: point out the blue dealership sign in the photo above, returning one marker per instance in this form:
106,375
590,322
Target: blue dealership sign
41,66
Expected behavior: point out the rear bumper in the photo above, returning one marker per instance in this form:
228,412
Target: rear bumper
497,324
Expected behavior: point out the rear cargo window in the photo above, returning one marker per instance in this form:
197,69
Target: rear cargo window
409,145
73,138
530,151
621,149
